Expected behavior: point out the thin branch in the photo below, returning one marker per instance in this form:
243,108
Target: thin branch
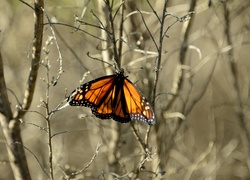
4,100
182,58
92,25
69,47
121,6
135,12
27,4
37,160
179,81
198,161
76,28
49,113
147,154
152,8
17,158
96,59
105,45
84,10
39,127
150,34
113,37
12,133
90,162
49,133
138,138
121,30
62,132
235,81
158,62
36,55
60,59
181,19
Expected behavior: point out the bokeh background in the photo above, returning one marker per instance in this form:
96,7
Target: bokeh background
202,103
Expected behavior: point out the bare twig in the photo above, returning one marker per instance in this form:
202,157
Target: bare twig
121,30
113,36
179,85
60,59
198,161
62,132
12,133
27,4
153,9
37,160
89,163
49,114
106,44
66,43
4,101
245,135
138,138
76,28
11,127
84,10
151,35
91,25
36,53
158,61
109,54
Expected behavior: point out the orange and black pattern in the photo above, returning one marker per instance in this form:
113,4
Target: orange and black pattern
113,96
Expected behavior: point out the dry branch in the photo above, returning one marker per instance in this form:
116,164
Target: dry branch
10,125
36,54
12,134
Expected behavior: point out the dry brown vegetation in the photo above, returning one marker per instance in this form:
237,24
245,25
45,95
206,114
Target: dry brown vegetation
189,58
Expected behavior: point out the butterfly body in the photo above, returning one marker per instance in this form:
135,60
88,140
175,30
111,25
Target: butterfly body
115,97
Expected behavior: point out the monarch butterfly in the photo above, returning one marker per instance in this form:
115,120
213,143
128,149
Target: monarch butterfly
113,96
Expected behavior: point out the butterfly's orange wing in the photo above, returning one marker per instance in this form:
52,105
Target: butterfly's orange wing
114,97
131,103
95,94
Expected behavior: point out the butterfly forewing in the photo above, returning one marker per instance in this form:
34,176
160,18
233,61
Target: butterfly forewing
92,93
96,91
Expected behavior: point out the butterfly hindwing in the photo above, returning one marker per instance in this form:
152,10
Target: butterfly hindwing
104,110
137,105
120,113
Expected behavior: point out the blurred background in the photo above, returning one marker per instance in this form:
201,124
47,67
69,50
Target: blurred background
201,102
